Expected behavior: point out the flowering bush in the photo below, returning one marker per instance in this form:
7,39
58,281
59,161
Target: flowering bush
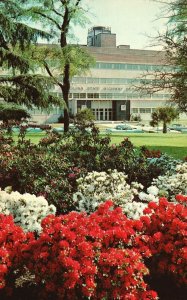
151,195
103,255
150,153
164,163
94,188
171,185
11,239
27,210
165,234
79,256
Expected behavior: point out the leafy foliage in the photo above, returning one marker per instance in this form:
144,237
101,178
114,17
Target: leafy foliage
165,115
84,116
12,112
16,85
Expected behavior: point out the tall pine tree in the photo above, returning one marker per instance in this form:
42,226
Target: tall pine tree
18,83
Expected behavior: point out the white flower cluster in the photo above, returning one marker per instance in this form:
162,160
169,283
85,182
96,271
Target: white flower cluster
27,210
171,185
97,187
152,194
134,210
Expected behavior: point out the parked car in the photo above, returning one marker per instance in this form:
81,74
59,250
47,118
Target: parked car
72,127
178,127
124,128
28,129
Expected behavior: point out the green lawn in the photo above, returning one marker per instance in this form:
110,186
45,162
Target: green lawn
174,144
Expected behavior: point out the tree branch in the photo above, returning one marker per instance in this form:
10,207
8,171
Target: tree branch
49,18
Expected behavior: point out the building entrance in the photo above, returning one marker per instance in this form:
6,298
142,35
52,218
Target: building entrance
102,114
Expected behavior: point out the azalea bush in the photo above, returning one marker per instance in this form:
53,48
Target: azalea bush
95,187
30,168
164,233
12,237
150,153
90,257
157,166
52,168
171,185
104,255
27,210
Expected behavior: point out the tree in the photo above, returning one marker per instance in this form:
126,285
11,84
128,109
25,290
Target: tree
172,77
164,114
19,84
59,16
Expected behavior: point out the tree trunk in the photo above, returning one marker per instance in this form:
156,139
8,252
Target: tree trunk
66,79
164,127
65,92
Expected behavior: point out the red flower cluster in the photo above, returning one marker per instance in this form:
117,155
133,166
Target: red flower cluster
12,238
79,256
166,237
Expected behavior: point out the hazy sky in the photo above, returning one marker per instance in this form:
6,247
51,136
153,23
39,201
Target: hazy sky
131,20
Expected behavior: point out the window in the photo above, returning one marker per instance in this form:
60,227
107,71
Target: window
76,95
135,111
92,80
79,80
105,95
93,95
82,95
145,110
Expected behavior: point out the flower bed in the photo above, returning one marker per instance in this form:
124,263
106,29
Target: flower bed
103,255
132,247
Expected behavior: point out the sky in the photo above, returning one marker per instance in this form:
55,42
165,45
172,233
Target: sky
132,21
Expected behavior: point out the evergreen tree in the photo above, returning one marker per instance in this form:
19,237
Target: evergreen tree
17,82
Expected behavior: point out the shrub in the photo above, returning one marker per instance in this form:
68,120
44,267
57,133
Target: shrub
84,116
103,255
79,256
157,166
11,239
150,153
35,169
171,185
95,187
27,210
50,168
165,234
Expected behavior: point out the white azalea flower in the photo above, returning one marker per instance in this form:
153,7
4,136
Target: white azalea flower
97,187
27,210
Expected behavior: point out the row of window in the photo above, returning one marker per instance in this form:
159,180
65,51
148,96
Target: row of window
95,80
132,67
143,110
116,96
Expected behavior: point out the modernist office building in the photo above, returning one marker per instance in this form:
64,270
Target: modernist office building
108,87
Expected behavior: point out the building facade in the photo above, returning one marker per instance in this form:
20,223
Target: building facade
108,88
